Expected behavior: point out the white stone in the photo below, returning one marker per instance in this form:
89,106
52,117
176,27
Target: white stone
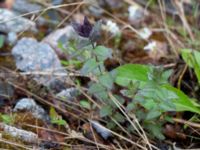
11,22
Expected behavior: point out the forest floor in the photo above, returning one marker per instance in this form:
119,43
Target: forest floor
107,74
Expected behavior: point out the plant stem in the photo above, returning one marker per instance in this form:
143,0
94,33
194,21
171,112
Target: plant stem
96,58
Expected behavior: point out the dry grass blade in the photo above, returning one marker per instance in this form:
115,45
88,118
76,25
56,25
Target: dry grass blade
192,124
44,10
168,32
45,101
179,6
14,144
139,131
66,18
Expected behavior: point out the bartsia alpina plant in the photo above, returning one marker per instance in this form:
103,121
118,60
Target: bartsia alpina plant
87,30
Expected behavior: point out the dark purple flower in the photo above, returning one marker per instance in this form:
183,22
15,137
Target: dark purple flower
83,29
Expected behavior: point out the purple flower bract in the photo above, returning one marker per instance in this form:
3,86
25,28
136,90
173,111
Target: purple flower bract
84,29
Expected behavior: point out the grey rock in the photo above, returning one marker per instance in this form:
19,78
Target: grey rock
68,94
170,7
25,6
43,21
113,4
64,36
60,36
104,132
137,14
57,2
11,38
23,135
33,56
10,22
29,105
96,11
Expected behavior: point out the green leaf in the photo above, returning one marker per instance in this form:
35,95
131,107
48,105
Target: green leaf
85,104
153,114
183,102
119,117
149,104
141,115
111,125
132,72
6,118
103,53
131,106
192,59
106,80
98,90
127,93
166,74
75,63
55,118
166,94
106,111
2,40
60,122
156,130
53,113
117,98
197,57
156,100
91,66
187,57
